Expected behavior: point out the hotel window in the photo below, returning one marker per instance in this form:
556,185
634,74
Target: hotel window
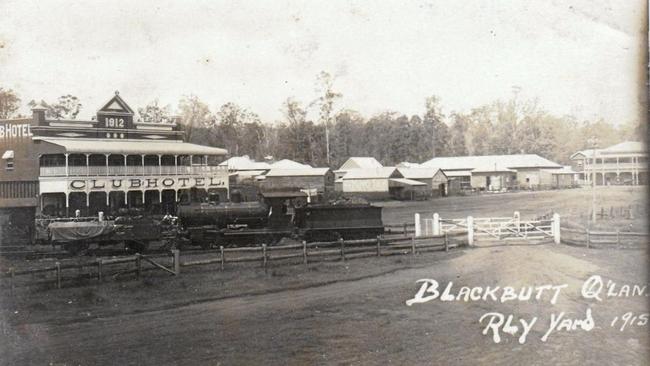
8,158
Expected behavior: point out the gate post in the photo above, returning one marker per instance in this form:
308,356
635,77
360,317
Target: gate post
177,261
556,228
436,224
417,225
470,230
517,218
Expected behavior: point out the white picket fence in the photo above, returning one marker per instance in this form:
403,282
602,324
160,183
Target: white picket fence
500,228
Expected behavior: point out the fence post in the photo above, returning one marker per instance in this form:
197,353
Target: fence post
58,274
470,230
417,225
413,245
556,228
342,248
12,273
446,243
304,252
405,234
138,265
177,261
223,258
378,245
100,265
618,238
436,224
264,256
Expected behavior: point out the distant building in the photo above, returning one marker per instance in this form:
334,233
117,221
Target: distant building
434,178
357,163
624,163
497,172
380,183
311,180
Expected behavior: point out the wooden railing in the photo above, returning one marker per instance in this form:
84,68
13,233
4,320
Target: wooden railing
265,255
137,170
604,239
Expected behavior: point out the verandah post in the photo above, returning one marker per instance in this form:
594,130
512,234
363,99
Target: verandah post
417,225
304,252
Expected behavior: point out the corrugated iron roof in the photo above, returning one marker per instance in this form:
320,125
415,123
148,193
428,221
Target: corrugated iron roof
361,163
384,172
105,146
418,173
304,172
625,147
288,164
245,163
488,163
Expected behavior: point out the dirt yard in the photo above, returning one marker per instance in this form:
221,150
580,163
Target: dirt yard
350,312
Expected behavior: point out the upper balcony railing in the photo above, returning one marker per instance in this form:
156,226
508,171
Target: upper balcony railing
87,171
614,166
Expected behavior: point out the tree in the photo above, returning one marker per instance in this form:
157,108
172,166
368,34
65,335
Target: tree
458,135
437,130
155,113
194,114
66,107
227,126
326,105
9,103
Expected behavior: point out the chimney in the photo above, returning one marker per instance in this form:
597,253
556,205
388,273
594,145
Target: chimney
38,114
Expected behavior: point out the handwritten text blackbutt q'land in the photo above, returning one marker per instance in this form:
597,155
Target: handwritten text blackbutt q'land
499,325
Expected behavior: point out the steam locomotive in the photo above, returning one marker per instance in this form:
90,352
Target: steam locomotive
274,216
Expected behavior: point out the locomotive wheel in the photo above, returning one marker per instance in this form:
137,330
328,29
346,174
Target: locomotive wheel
136,246
76,248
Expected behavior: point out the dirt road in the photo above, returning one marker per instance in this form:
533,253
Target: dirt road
366,321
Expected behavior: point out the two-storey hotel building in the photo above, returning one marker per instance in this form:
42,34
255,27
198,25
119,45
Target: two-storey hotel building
57,167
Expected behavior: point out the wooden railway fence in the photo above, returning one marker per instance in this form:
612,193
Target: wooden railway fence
589,238
172,263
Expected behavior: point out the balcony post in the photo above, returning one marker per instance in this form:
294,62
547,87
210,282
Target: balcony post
159,164
66,166
106,172
142,157
87,164
176,164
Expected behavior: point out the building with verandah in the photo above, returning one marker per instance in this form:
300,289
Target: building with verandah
56,166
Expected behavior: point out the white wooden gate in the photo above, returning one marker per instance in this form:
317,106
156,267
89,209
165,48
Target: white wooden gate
499,228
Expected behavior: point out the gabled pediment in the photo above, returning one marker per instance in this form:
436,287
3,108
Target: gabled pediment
116,106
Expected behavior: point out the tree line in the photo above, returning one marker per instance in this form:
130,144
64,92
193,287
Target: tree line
502,127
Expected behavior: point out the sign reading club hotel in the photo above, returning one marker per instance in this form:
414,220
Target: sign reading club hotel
101,184
112,161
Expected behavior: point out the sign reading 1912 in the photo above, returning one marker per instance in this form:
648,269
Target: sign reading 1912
120,122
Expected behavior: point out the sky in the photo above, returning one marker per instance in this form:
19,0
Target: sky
582,58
